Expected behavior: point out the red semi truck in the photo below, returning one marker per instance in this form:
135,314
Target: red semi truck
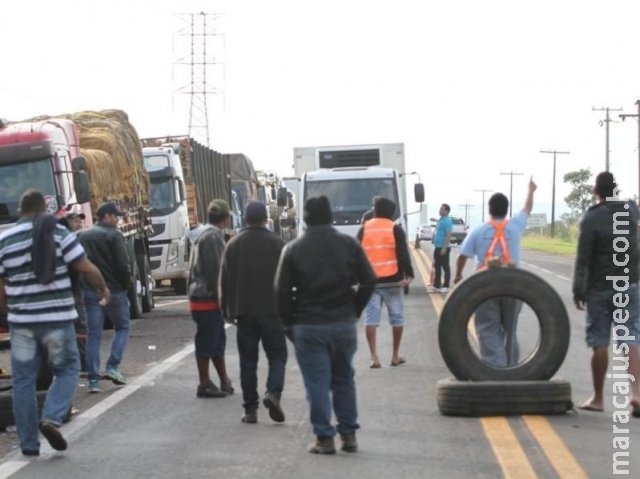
78,161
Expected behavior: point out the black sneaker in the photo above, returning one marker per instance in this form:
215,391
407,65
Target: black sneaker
30,452
209,390
272,402
51,432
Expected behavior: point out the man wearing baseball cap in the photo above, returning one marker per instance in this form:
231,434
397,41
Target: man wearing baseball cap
107,249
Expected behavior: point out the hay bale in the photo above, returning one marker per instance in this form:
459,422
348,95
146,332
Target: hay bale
114,155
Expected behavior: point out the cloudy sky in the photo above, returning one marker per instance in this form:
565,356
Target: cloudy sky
473,89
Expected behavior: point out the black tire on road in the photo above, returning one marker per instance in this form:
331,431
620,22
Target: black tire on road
6,407
179,285
552,348
503,398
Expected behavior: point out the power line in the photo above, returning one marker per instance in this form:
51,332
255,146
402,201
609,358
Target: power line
553,189
606,121
511,174
483,192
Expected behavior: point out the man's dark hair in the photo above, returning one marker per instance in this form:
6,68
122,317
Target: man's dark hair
32,202
317,211
498,205
446,207
605,185
218,211
383,207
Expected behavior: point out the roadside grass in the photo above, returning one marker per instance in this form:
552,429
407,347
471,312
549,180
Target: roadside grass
548,244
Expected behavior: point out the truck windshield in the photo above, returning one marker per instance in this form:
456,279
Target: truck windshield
163,196
351,198
15,179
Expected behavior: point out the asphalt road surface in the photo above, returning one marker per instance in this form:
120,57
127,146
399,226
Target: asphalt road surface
155,427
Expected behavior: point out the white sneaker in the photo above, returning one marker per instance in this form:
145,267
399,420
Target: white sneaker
444,290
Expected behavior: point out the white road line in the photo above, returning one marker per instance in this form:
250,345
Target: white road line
16,461
551,273
170,303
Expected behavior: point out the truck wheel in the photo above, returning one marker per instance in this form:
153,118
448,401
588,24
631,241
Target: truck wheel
545,302
503,398
147,283
135,293
6,407
179,285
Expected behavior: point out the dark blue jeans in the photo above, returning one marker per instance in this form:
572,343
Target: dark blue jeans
325,356
251,331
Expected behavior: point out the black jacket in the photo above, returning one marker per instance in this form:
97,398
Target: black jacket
246,276
595,256
405,269
323,277
107,249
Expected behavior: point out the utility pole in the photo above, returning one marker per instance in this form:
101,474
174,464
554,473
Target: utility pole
511,174
553,188
466,207
483,192
606,121
637,117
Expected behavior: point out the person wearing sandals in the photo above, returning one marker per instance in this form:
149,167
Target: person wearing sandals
247,299
323,283
204,269
385,244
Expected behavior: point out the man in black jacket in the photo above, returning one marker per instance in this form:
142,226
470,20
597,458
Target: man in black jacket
106,248
323,283
606,282
247,299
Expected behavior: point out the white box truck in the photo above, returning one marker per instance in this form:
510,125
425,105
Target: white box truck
351,176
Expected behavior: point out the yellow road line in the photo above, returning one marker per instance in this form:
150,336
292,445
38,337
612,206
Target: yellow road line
508,451
510,455
554,448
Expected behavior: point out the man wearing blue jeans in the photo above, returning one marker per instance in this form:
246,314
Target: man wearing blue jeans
35,290
106,248
323,282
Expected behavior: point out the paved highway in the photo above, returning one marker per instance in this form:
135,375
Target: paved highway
155,426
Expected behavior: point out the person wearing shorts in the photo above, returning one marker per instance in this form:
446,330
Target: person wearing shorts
605,282
385,245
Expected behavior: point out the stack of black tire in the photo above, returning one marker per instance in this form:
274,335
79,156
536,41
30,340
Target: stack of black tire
526,388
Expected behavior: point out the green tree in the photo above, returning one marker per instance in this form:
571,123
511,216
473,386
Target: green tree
581,196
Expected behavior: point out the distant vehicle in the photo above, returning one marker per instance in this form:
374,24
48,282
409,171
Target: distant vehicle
460,230
425,232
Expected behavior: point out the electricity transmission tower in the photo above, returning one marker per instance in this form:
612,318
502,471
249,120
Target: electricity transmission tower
200,37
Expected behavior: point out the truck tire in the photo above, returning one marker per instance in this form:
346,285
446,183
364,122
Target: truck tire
503,398
147,283
553,319
179,285
6,407
135,293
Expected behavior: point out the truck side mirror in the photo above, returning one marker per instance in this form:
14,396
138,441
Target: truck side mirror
80,179
418,192
81,186
282,197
